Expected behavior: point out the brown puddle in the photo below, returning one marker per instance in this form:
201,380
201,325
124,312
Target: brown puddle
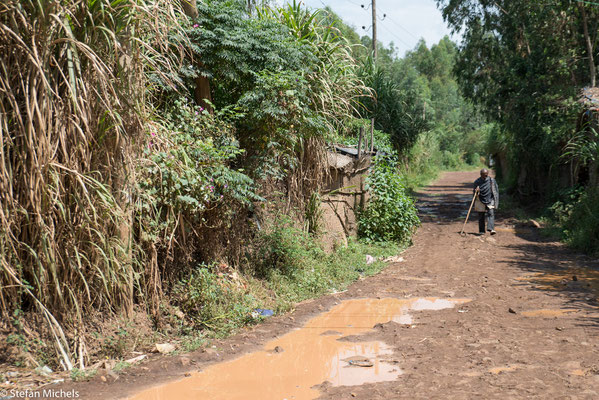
499,370
548,313
578,372
308,357
413,278
568,278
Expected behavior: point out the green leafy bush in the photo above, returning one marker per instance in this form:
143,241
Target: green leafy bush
188,169
390,215
284,248
234,48
577,214
291,75
277,120
451,160
287,266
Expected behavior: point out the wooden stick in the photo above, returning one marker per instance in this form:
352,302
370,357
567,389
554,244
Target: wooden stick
470,209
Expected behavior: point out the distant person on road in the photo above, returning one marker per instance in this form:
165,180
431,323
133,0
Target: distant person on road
488,194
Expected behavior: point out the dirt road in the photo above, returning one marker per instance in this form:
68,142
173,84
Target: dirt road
519,320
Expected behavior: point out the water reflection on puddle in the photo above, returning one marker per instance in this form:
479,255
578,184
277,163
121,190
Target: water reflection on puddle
306,357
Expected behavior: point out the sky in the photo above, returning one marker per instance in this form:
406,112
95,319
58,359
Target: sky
407,21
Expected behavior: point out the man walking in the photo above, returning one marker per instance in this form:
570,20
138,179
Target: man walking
488,194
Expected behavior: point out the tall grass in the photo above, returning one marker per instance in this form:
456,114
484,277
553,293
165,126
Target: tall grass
73,79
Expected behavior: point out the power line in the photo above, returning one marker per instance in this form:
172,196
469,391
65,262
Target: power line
355,3
401,27
386,16
397,37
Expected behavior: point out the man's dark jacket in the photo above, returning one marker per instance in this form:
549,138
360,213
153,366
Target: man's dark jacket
489,192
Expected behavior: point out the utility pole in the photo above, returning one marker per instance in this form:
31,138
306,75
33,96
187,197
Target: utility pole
374,29
374,53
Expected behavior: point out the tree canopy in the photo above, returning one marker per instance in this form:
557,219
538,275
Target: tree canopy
524,63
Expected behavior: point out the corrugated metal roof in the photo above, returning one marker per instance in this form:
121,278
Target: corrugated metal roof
350,151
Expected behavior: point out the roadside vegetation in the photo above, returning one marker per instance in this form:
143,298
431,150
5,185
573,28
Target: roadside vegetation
161,166
574,218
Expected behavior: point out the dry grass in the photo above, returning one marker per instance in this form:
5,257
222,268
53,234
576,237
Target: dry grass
73,79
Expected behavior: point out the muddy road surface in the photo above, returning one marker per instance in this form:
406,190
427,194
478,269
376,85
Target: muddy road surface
455,317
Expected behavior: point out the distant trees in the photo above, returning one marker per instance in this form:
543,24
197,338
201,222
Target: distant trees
524,63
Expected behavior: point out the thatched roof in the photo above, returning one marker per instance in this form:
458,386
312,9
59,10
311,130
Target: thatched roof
589,98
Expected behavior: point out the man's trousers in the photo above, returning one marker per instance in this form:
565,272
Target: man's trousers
490,217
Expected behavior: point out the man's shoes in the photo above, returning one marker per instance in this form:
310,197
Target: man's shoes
493,232
481,234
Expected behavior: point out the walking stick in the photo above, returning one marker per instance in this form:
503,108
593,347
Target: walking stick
470,209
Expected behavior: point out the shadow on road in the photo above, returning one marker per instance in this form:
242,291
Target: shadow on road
553,268
548,266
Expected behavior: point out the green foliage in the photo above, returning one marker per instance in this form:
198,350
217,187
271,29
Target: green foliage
419,105
324,273
577,215
390,215
458,128
284,248
277,122
188,182
291,75
233,49
187,169
213,301
79,375
397,108
584,145
286,265
313,215
295,266
116,345
350,136
335,85
193,342
524,62
121,366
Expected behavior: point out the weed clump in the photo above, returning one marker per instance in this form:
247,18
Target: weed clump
214,300
294,265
